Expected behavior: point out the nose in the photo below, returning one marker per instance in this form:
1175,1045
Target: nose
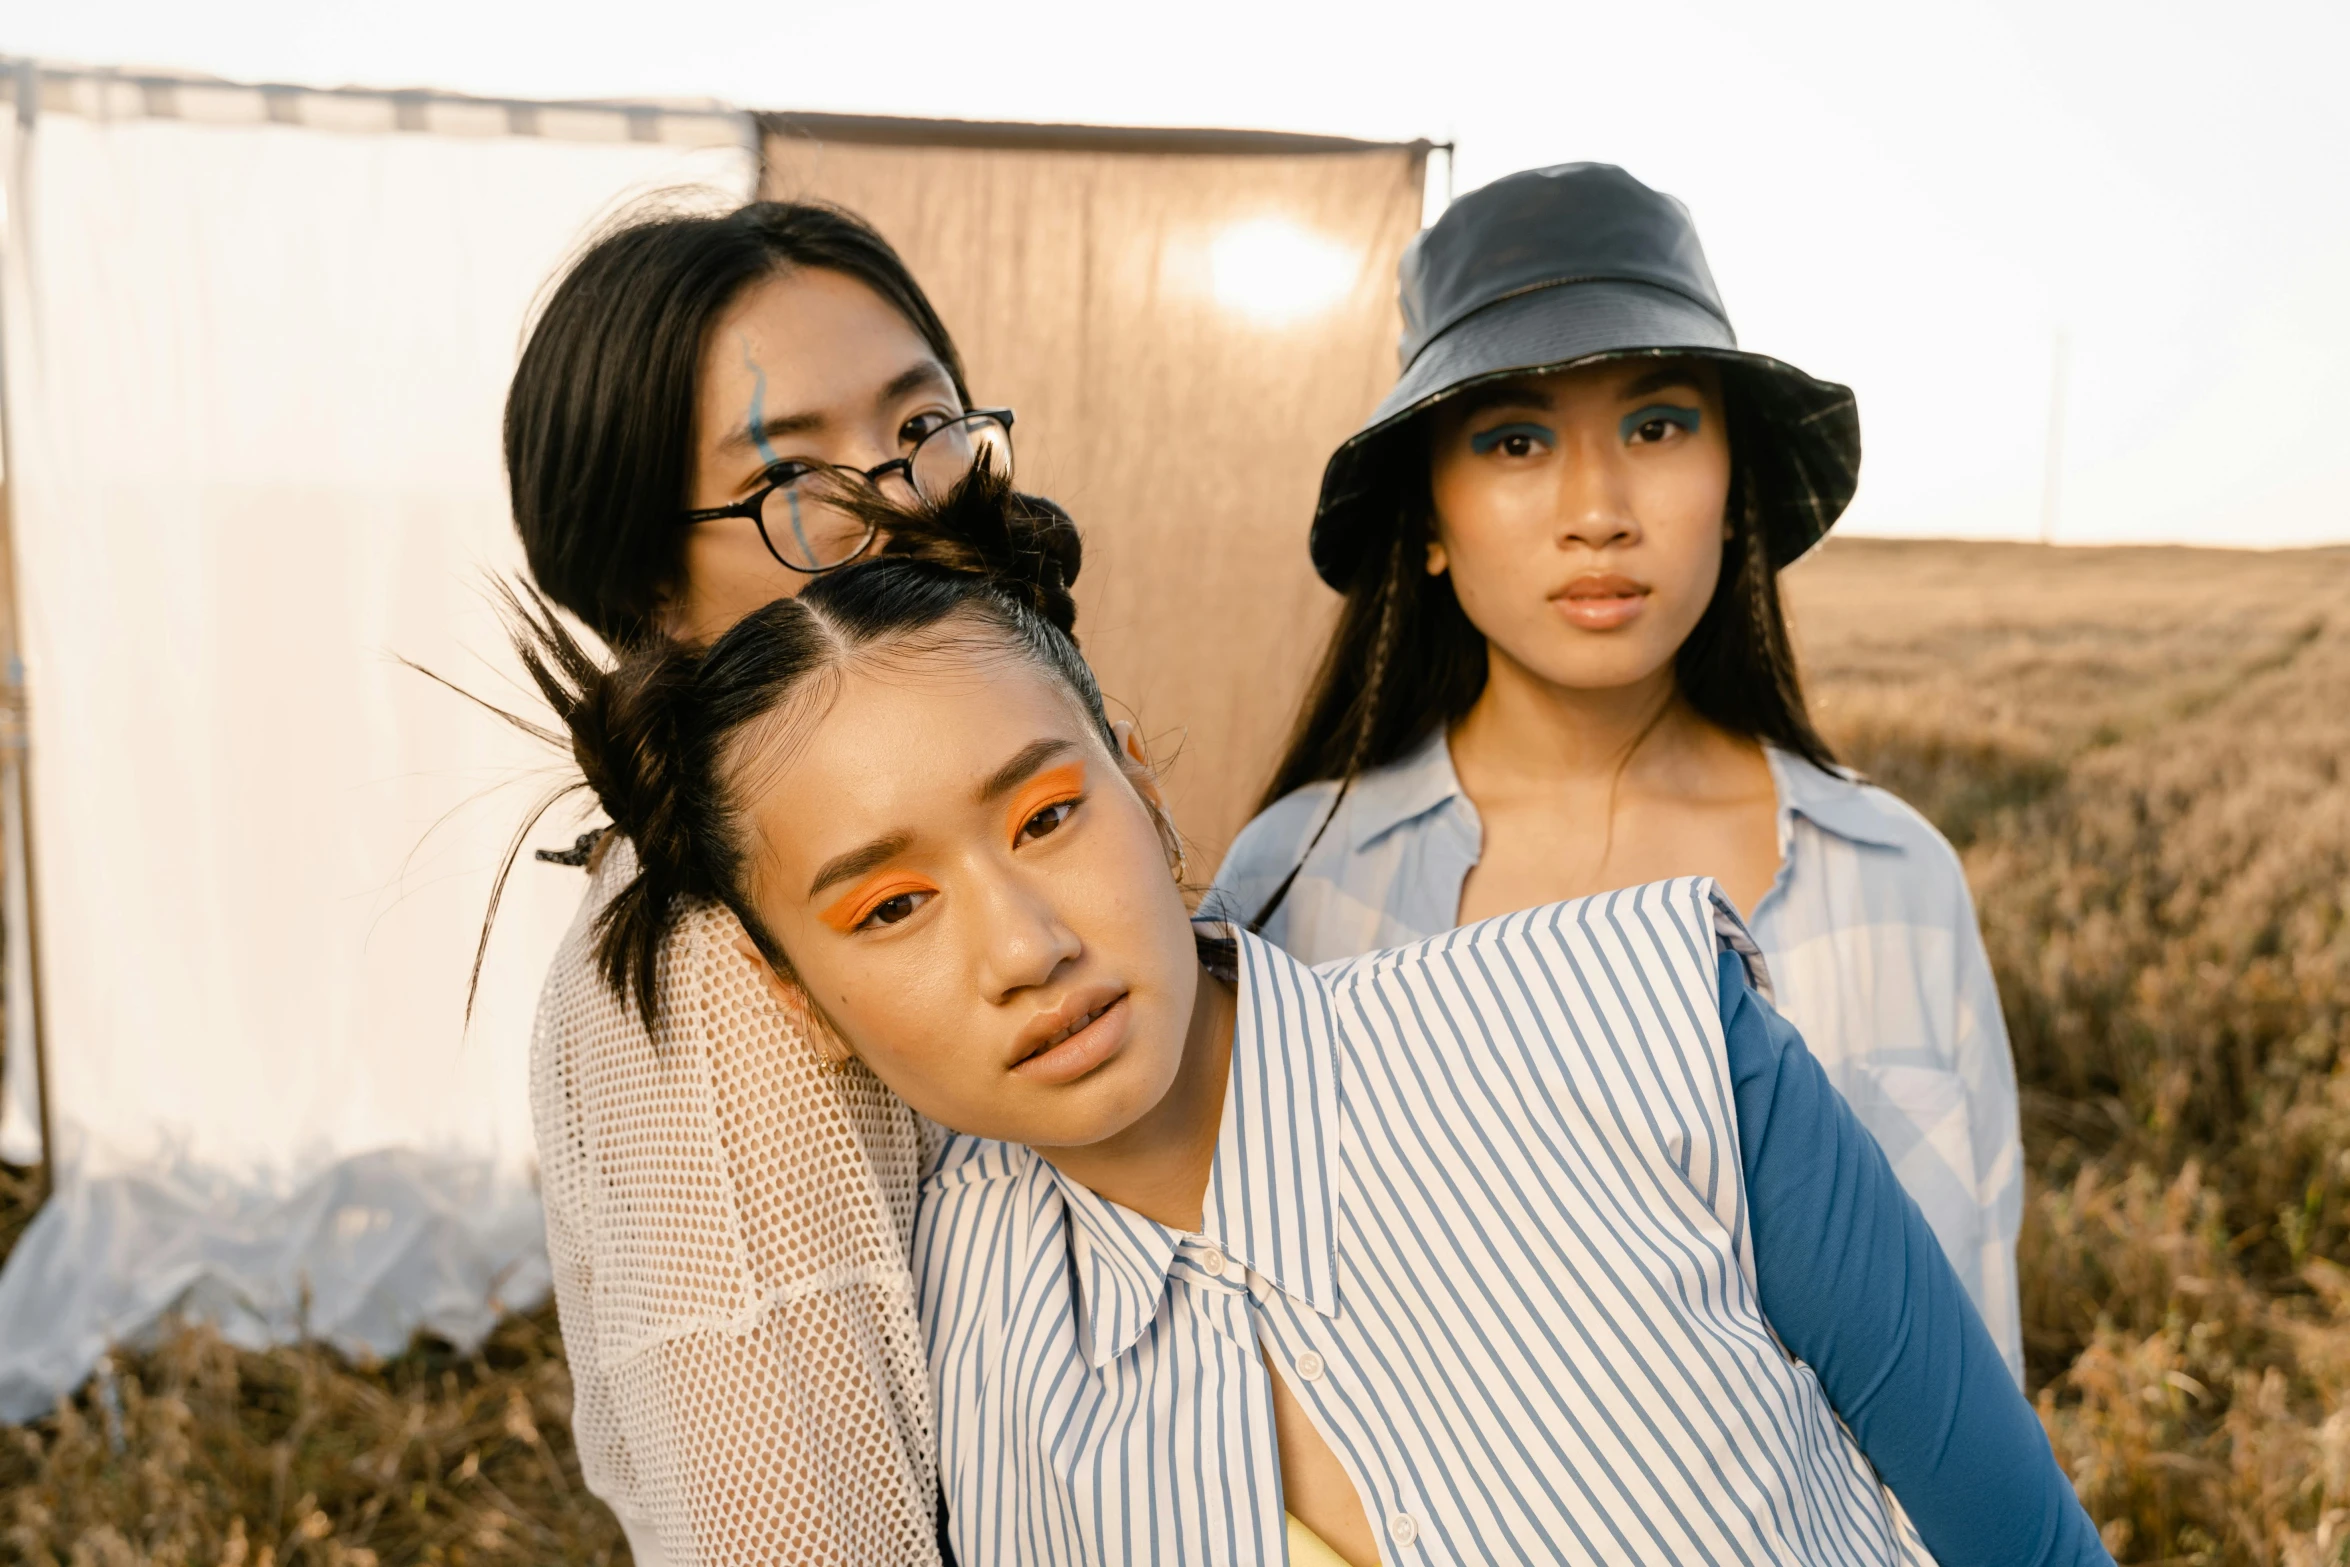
896,480
1023,940
1594,503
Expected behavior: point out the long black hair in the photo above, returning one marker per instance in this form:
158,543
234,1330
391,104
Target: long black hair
1405,660
654,734
600,416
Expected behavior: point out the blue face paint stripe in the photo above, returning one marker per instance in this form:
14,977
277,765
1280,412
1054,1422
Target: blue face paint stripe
1670,413
766,448
807,550
758,416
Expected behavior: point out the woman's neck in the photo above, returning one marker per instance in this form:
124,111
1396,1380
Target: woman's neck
1159,1166
1580,791
1525,731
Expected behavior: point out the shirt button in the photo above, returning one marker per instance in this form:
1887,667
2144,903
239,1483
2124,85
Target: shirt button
1309,1367
1403,1529
1213,1262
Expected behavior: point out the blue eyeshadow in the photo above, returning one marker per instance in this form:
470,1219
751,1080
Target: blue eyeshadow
1486,440
1670,413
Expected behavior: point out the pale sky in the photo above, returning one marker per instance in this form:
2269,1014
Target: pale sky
1915,200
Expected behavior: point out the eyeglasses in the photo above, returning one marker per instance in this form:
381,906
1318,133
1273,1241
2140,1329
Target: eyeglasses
800,514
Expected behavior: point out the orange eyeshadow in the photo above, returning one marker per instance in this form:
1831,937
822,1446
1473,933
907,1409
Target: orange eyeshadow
1045,789
862,899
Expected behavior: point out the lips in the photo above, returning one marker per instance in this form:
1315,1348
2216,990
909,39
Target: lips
1073,1039
1601,601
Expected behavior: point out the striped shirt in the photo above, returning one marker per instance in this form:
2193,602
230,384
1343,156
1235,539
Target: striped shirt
1869,932
1482,1200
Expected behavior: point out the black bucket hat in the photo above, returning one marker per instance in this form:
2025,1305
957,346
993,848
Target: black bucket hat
1557,267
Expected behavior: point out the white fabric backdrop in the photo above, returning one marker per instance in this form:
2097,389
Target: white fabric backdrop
254,382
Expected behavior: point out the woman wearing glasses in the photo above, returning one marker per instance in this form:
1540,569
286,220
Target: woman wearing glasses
727,1215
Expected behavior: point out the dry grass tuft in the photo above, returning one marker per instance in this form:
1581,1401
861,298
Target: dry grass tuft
2142,757
195,1451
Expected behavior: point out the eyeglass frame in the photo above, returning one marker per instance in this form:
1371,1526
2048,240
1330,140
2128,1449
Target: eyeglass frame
753,506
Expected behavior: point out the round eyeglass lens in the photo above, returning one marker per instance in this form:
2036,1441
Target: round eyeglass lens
808,528
952,450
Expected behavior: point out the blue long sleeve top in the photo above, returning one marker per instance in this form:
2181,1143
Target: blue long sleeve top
1856,1287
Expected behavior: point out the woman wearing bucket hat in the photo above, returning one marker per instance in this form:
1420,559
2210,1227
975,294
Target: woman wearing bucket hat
1562,667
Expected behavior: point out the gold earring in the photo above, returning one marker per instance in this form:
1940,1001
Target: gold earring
1178,856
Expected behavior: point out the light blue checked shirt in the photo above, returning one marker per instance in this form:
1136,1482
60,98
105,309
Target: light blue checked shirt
1868,932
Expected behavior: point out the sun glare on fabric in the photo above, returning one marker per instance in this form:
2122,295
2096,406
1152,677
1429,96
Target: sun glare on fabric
1273,271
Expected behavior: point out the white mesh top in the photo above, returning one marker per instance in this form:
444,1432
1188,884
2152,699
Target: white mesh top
728,1218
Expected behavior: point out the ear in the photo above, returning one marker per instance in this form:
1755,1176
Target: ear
1137,762
1437,560
811,1023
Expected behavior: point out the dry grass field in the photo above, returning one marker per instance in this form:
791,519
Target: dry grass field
2142,756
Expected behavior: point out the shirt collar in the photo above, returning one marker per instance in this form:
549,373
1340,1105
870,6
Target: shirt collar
1407,788
1121,1261
1836,802
1271,1204
1423,780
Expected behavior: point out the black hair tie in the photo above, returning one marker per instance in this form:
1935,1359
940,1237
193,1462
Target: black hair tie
582,849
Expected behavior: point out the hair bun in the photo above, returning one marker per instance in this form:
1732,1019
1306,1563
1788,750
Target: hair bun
628,730
1024,544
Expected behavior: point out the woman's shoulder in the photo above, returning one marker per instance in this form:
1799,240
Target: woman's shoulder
578,1000
1269,845
715,1158
1848,807
1414,786
1360,853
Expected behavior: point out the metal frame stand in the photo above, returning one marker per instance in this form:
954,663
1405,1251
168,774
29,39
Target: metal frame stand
15,735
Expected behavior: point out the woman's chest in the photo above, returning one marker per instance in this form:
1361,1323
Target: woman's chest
1491,1374
1540,849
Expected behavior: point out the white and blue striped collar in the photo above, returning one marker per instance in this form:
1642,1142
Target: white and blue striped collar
1272,1198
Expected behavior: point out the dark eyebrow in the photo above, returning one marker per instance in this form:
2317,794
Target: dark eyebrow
744,438
1020,769
1502,394
1682,376
929,373
855,863
911,379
